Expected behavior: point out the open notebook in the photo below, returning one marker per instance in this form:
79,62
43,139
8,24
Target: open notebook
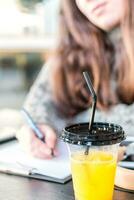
14,161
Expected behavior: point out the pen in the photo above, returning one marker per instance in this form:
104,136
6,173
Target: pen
33,125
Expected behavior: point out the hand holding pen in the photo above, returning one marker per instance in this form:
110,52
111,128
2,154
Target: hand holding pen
39,140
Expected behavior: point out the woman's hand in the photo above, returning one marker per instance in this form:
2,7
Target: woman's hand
121,153
36,147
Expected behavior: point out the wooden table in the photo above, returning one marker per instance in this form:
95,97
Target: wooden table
19,188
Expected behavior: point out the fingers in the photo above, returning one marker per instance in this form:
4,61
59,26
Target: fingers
50,136
121,152
40,149
36,147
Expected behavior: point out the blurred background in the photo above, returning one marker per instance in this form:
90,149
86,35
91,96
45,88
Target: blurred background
28,36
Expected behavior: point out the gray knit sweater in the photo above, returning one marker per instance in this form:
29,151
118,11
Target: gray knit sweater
41,106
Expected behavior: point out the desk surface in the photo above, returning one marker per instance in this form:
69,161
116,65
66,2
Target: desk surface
14,188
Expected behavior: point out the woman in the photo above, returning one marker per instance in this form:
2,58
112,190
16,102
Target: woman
96,36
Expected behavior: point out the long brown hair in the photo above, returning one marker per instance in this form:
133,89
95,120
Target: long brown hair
83,46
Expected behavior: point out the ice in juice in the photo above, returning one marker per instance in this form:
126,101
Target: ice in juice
93,175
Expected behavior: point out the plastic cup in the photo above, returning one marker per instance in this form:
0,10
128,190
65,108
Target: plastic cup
93,157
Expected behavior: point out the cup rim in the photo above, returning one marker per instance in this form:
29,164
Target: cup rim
108,134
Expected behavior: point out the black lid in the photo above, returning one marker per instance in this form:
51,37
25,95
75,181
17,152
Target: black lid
101,134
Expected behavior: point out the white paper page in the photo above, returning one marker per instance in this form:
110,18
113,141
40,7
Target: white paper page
57,167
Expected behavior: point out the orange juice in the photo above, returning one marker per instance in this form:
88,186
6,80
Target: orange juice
93,175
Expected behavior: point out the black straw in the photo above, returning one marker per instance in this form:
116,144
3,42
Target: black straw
94,97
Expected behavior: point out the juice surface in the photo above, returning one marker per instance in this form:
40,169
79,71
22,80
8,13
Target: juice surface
93,175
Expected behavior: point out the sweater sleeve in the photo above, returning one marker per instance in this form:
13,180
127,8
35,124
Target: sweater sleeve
40,103
121,114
